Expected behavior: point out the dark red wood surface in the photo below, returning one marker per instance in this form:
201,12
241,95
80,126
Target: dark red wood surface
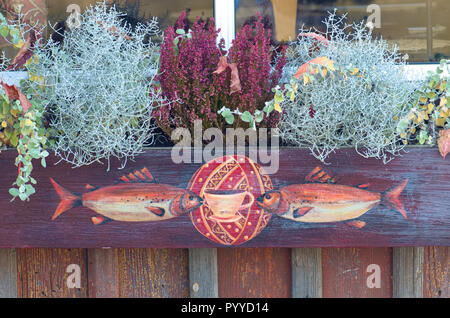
254,272
28,224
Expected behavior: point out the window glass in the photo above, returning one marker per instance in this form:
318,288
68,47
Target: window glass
419,27
54,11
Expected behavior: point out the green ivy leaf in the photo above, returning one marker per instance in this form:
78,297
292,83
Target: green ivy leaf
14,192
180,31
246,117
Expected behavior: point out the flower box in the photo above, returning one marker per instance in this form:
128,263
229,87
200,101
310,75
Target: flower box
415,185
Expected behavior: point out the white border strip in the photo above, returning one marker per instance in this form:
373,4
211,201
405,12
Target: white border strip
225,20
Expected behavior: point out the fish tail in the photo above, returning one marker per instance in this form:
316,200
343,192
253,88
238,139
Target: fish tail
69,200
391,199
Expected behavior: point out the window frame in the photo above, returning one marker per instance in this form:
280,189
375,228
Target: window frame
225,17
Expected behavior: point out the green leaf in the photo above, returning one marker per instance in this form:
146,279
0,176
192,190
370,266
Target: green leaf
180,31
14,192
4,31
259,116
43,163
229,119
247,117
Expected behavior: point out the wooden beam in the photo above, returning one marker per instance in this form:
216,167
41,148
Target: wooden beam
203,273
408,272
155,273
45,273
306,273
416,218
103,269
357,272
8,273
436,272
254,272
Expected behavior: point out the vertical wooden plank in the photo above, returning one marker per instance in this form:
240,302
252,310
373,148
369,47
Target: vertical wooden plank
103,269
306,273
41,272
407,273
8,273
153,272
345,272
254,272
436,270
203,273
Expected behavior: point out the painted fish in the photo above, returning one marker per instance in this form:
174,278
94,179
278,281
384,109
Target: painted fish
138,198
320,199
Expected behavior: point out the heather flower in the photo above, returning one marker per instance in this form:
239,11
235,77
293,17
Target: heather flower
188,78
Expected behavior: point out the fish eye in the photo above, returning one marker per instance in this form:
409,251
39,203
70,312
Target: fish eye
268,196
191,197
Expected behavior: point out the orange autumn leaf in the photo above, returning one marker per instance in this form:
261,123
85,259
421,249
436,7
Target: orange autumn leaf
444,142
25,52
14,93
321,60
316,36
235,85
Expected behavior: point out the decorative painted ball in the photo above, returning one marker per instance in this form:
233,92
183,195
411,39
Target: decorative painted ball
229,187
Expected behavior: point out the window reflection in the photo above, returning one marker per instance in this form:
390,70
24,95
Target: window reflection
419,27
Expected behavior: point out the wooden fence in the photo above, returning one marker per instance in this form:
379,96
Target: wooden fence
226,272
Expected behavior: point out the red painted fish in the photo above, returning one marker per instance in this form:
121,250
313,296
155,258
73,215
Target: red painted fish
320,199
137,199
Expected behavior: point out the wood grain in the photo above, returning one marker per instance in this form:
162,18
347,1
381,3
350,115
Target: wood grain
28,224
203,273
155,273
436,270
306,273
8,273
407,272
103,273
345,272
254,272
42,272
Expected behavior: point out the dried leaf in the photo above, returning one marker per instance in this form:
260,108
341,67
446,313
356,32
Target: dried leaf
322,60
316,36
235,84
14,93
444,142
25,52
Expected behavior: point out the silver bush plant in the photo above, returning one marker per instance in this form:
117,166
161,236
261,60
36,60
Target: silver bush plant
100,87
356,101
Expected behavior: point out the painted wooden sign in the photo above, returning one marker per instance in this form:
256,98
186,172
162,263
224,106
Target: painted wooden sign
231,201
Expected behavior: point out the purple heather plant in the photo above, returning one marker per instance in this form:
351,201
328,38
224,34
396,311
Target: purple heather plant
187,64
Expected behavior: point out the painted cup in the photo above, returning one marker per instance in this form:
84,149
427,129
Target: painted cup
226,203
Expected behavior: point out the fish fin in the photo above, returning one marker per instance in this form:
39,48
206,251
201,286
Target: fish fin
302,211
69,200
90,187
142,175
99,220
356,224
156,211
391,199
363,186
318,175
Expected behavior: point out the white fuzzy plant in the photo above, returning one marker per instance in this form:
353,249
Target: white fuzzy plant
99,87
358,103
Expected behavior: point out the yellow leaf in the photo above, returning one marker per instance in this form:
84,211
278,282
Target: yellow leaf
354,71
440,122
19,44
443,101
430,108
4,124
306,79
413,130
423,99
324,72
278,107
28,122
